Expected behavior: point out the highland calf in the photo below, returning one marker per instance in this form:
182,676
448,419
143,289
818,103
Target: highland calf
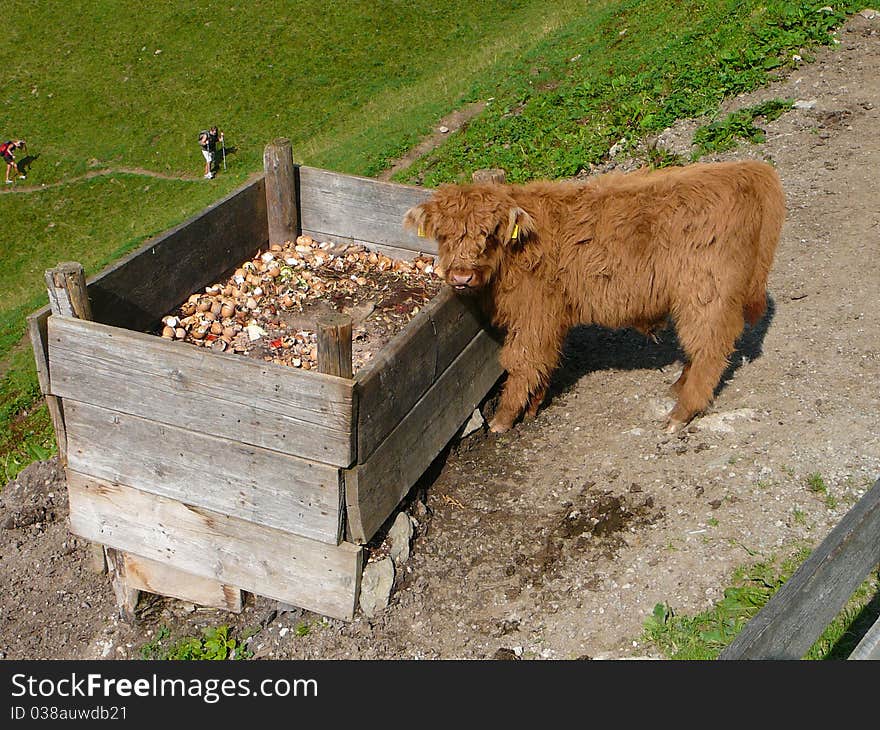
694,244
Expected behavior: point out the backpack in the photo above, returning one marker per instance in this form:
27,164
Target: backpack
204,137
4,147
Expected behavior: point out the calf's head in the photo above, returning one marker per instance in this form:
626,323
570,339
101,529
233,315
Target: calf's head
474,225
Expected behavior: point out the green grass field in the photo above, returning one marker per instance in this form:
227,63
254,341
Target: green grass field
99,87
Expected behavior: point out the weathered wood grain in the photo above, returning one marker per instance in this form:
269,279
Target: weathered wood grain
408,365
152,576
126,594
39,336
142,287
456,319
334,345
282,205
305,414
494,175
267,562
345,208
66,285
797,614
254,484
374,489
869,646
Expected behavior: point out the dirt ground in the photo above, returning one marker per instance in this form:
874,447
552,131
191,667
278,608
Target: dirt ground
556,540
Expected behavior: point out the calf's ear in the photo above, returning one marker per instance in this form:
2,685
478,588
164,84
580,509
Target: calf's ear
415,219
518,227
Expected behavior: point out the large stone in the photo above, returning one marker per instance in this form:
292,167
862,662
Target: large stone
475,423
376,583
399,536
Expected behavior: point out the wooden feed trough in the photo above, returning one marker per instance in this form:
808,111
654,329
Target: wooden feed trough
207,474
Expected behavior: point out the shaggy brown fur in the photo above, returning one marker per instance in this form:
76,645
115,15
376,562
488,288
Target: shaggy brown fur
692,243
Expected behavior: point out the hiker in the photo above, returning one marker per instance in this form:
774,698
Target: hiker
7,151
208,139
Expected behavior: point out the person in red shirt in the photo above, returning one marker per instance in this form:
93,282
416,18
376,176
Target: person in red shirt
7,151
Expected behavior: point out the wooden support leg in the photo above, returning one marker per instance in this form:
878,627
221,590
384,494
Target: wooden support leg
126,596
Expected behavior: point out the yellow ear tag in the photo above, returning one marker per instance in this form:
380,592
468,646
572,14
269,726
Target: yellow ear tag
421,231
515,233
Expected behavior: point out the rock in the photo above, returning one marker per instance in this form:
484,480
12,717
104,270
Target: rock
419,510
475,423
376,583
504,654
720,422
804,104
869,14
443,129
292,611
400,534
96,561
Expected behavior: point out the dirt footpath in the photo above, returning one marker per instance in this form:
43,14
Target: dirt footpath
557,539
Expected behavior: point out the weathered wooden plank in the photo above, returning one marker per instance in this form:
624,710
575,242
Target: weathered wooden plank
267,562
39,336
224,475
394,252
797,614
149,283
152,576
374,489
456,319
305,414
393,381
407,366
869,646
351,209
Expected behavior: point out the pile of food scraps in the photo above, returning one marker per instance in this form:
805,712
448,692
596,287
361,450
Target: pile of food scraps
270,306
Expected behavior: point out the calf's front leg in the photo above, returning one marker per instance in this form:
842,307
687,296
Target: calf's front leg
528,367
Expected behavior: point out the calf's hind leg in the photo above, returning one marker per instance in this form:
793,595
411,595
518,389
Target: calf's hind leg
708,340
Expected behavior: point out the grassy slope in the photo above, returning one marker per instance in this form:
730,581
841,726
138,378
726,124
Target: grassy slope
622,74
145,82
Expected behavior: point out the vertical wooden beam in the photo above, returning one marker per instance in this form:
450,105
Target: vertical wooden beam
69,297
126,596
490,175
282,206
334,345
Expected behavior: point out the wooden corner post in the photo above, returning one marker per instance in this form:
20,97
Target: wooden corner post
490,175
69,297
282,206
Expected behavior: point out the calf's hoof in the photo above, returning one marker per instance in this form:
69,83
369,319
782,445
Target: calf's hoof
496,426
673,425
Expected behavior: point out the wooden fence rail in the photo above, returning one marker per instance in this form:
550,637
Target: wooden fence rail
797,614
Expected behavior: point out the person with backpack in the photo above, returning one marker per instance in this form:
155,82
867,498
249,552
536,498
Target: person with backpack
208,139
7,151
